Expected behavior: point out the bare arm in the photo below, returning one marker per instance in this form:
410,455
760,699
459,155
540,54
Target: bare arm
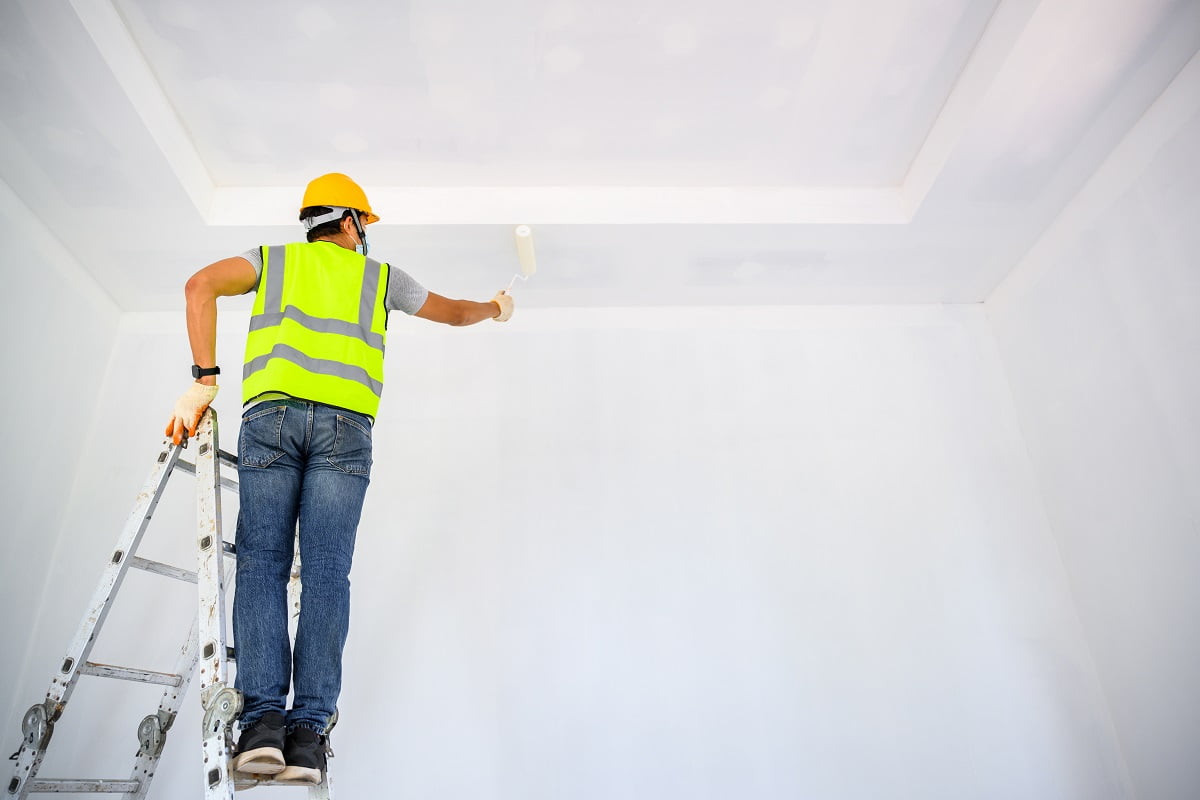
224,278
456,312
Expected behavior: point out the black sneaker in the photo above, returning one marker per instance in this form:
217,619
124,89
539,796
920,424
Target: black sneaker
304,753
260,747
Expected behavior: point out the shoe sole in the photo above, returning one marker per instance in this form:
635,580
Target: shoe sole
306,776
260,761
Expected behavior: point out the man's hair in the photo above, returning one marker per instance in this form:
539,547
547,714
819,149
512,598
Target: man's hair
331,228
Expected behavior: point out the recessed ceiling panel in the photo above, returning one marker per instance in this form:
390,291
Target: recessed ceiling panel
678,93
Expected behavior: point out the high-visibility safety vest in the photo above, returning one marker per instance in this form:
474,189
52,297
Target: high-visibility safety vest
318,327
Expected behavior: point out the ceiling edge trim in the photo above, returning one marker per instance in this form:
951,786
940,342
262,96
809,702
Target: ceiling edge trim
1008,22
117,47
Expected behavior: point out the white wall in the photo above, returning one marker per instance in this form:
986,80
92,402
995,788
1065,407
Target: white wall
663,553
57,329
1100,333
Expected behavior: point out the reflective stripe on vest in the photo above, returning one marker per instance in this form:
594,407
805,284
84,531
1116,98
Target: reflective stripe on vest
274,300
318,365
318,328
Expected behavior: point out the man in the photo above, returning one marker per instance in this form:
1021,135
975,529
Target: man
311,382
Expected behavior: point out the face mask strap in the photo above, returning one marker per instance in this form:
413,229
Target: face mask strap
362,235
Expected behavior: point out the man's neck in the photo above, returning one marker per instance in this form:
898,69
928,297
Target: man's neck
340,241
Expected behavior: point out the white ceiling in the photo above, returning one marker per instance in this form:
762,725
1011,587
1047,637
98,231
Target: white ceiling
674,152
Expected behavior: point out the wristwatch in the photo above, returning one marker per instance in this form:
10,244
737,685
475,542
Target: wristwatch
203,372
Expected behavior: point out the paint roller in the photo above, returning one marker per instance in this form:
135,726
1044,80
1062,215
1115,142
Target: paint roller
523,236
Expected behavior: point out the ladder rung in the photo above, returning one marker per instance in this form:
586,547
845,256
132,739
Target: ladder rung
190,469
159,568
126,674
74,786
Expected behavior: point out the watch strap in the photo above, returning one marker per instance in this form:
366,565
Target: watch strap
203,372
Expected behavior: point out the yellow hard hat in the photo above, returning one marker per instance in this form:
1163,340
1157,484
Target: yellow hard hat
337,190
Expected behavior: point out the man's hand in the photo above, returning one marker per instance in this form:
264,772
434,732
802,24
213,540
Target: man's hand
505,301
188,410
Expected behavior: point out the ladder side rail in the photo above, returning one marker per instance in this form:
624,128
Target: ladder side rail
211,567
295,588
222,704
38,725
152,732
324,790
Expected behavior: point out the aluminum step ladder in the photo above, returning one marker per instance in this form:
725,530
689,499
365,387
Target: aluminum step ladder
206,645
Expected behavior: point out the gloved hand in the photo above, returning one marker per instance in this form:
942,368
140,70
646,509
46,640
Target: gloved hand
188,410
505,301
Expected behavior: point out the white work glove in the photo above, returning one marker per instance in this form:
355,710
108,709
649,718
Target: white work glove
188,409
505,301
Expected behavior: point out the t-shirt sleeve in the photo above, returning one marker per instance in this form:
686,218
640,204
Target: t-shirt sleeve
254,256
403,292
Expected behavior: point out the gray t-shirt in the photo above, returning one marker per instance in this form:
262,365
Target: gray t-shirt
403,291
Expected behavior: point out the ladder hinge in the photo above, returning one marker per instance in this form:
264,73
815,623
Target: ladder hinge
221,707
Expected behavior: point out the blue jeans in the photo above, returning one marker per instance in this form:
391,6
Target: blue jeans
308,463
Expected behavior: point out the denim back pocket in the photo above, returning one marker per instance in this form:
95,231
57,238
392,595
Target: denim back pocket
351,447
259,441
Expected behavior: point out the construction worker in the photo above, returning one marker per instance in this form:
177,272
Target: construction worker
311,382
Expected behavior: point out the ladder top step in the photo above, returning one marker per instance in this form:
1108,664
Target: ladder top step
242,781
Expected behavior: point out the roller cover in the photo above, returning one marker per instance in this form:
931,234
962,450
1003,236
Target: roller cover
524,237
